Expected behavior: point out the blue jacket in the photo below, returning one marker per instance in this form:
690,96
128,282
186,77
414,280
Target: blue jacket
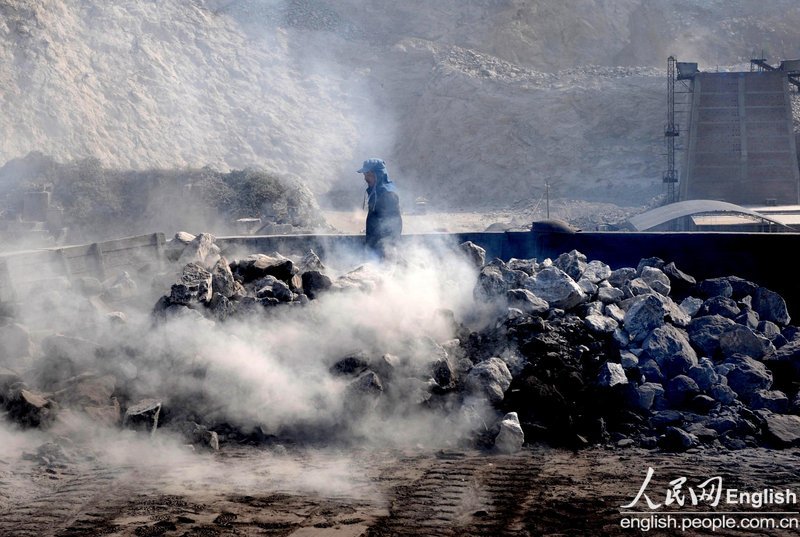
383,218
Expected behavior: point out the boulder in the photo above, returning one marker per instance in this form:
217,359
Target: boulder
194,285
526,301
311,261
705,332
490,378
676,439
769,329
30,409
649,262
618,278
656,279
771,306
91,394
615,312
647,396
680,390
610,295
596,271
474,253
720,305
587,287
363,393
143,416
510,438
680,282
691,305
557,288
643,315
611,375
773,400
222,282
747,376
572,263
748,318
200,250
314,283
741,287
715,287
528,266
651,371
723,394
600,324
669,347
783,430
637,287
704,374
257,266
220,308
628,360
741,339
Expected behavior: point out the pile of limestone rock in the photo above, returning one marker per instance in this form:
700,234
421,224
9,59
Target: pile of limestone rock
641,356
575,354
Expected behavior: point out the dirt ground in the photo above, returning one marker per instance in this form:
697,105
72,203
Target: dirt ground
302,492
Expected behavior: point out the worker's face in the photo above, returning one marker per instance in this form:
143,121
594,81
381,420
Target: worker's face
370,178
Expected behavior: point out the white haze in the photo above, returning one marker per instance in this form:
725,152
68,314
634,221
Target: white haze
495,96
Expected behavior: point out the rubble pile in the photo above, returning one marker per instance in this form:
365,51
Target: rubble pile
573,353
646,355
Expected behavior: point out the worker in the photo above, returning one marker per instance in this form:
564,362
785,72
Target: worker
384,223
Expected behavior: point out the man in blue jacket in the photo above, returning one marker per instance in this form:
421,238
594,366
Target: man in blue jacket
384,223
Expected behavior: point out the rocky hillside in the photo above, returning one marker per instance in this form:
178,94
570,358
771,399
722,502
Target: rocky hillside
469,102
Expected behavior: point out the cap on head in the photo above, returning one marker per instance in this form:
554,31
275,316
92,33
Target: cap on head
373,165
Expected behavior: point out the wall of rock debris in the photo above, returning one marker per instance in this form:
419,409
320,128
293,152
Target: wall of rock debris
565,351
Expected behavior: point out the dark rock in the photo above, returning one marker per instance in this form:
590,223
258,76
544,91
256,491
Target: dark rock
680,390
715,287
771,306
353,364
704,333
747,376
749,319
720,305
784,430
679,280
644,314
703,404
198,250
741,339
723,394
610,295
596,271
664,418
572,263
314,283
30,409
701,432
194,285
649,262
656,279
618,278
691,305
670,348
704,374
773,400
646,396
741,287
676,439
257,266
143,416
769,329
311,261
221,308
637,287
651,371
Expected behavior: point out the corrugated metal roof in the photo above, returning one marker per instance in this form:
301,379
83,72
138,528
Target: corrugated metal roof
673,211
